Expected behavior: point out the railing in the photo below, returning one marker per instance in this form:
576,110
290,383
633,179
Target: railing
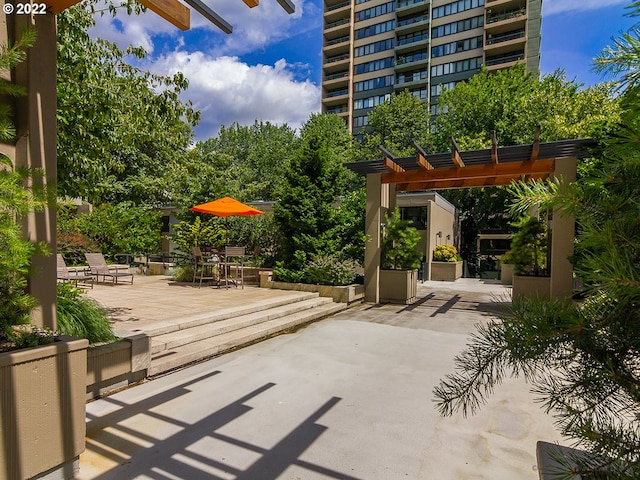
335,41
506,16
410,21
338,5
336,24
337,58
417,38
336,76
505,38
337,110
506,59
406,3
337,93
412,58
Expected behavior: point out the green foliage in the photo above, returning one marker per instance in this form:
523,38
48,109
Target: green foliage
329,270
120,128
400,244
81,316
26,336
513,103
445,253
528,251
16,200
112,229
396,124
350,225
306,213
197,234
580,358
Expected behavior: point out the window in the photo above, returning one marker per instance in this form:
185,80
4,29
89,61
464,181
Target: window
416,215
455,47
456,67
375,29
373,65
373,48
456,27
370,102
455,7
376,11
373,83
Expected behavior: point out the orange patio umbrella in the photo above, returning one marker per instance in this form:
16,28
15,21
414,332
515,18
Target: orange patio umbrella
226,207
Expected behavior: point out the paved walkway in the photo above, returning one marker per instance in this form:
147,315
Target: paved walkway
349,397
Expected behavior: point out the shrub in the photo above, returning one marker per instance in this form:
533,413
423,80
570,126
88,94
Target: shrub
400,244
329,270
197,234
445,253
81,316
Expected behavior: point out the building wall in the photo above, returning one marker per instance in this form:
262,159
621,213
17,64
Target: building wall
508,30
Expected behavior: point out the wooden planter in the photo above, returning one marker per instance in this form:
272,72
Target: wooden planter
42,409
506,273
398,286
531,286
446,271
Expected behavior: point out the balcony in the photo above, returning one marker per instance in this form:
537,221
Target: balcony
411,61
504,61
337,46
335,80
410,24
337,12
506,42
506,17
335,98
412,43
405,7
337,23
337,110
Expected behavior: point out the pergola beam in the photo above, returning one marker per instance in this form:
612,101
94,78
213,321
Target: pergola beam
421,157
389,160
494,147
456,158
172,11
288,6
448,184
535,147
251,3
514,170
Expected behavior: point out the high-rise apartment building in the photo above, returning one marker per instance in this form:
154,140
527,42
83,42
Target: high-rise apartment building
372,48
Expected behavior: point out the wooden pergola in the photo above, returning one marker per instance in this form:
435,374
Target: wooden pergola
475,168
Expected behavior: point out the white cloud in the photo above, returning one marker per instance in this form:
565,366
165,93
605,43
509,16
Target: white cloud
227,90
253,28
552,7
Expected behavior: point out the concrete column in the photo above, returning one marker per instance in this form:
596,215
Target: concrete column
562,237
35,120
372,247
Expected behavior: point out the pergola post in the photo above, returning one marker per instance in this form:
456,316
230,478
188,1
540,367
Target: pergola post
562,236
372,248
35,121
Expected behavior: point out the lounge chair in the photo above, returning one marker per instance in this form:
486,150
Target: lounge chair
99,268
66,275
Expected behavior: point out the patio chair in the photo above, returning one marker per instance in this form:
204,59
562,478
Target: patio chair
99,268
236,260
207,269
66,275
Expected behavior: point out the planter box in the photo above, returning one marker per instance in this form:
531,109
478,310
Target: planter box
506,273
531,286
42,409
117,365
340,294
446,271
398,286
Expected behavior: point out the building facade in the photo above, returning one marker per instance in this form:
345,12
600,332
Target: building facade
372,48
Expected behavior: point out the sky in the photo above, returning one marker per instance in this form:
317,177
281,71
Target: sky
269,68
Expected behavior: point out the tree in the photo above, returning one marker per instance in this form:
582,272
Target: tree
119,127
396,124
581,358
513,103
306,212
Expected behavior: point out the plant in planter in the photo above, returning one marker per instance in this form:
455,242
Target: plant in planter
447,263
528,251
400,260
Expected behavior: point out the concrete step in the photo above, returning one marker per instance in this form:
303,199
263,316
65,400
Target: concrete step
184,355
174,325
185,336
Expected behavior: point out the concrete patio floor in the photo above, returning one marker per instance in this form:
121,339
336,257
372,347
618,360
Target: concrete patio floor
349,397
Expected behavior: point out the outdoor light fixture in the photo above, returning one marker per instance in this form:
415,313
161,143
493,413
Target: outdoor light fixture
439,234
